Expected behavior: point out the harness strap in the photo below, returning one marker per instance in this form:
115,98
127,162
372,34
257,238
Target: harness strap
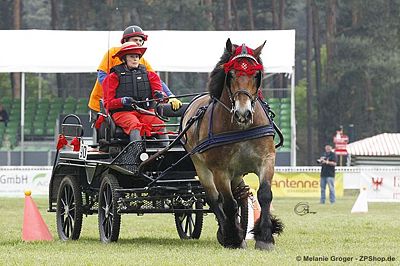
213,140
271,115
200,113
233,137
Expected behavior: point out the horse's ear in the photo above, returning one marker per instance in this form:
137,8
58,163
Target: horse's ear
257,51
229,46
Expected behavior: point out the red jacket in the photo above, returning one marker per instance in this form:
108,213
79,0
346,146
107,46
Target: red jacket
111,83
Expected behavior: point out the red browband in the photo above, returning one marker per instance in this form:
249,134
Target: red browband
243,66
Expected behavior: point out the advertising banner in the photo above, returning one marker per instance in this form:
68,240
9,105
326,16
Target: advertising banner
15,180
381,186
298,184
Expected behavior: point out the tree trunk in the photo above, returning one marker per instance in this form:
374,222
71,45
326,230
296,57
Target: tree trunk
330,39
369,105
309,148
236,15
126,17
250,11
55,26
16,77
281,14
274,16
209,14
17,14
355,13
317,59
54,14
277,21
228,15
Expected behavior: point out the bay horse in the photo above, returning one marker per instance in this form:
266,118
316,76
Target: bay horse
232,137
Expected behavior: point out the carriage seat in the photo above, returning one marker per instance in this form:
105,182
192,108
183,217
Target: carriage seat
114,135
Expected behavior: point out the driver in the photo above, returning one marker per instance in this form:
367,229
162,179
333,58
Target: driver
131,34
129,82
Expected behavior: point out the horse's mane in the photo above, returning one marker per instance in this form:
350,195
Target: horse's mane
216,80
217,77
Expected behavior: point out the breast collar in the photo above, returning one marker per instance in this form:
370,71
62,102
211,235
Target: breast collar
215,140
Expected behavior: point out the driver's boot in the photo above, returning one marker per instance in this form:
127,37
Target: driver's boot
163,137
134,135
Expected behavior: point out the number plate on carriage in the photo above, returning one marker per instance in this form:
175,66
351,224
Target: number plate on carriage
83,152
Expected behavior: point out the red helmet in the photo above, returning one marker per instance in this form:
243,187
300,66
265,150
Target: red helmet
130,48
133,31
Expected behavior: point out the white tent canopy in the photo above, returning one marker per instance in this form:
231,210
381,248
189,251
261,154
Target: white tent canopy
47,51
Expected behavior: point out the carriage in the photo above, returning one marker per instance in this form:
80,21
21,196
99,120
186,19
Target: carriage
114,176
225,134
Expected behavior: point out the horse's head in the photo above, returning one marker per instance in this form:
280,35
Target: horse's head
243,80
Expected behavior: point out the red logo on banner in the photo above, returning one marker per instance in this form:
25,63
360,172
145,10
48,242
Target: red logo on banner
377,183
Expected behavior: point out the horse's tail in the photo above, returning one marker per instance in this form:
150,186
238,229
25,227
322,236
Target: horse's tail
277,225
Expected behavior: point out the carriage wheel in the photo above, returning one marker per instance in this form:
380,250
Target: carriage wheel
190,224
244,214
109,219
69,209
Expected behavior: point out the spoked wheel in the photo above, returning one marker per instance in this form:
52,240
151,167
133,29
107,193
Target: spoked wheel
244,214
190,224
69,209
241,194
109,219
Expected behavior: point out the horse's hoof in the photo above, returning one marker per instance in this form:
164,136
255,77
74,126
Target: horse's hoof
242,245
220,237
261,245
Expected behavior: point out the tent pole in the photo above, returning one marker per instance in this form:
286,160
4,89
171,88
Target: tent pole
40,86
292,121
22,115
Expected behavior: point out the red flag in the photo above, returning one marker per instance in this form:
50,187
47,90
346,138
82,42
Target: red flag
62,141
76,144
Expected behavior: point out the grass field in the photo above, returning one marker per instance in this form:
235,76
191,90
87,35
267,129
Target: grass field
152,239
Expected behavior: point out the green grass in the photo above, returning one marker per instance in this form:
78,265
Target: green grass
153,240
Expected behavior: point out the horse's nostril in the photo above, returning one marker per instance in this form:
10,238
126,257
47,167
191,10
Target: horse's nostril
247,115
236,114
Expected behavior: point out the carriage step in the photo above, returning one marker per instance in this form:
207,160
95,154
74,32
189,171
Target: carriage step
178,181
141,212
144,190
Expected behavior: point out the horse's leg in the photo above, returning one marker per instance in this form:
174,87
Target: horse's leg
233,236
266,224
214,199
263,226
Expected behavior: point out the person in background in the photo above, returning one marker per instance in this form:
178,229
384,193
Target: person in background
129,82
3,115
131,34
328,164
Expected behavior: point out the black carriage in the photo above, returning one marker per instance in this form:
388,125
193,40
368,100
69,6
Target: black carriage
114,176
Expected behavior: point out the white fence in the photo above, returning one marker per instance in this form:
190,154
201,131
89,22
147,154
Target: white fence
382,183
